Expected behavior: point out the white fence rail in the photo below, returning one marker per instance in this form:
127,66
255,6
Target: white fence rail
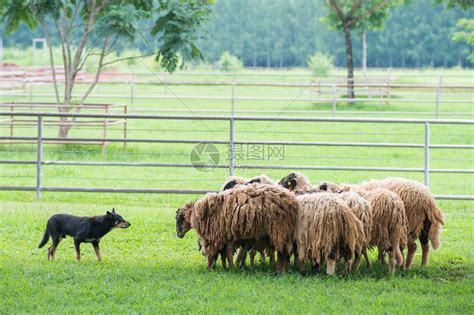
39,139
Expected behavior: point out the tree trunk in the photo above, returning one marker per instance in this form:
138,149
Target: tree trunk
268,57
364,53
350,64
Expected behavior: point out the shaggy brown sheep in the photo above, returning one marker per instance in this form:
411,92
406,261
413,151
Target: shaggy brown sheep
363,211
327,230
424,218
248,212
389,233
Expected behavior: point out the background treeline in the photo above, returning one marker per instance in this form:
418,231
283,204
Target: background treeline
283,33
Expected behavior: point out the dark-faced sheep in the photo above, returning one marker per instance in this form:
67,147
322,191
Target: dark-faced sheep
297,183
261,179
232,182
327,230
249,212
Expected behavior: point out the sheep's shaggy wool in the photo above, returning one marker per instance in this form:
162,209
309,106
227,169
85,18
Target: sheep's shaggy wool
325,226
245,212
420,207
362,210
232,182
389,231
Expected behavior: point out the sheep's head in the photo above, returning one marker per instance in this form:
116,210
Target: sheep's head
183,220
295,181
232,182
262,179
331,187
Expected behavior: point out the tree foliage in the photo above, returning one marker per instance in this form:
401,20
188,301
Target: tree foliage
321,64
284,33
461,4
84,28
466,35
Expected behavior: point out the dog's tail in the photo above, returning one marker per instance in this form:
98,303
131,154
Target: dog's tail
45,238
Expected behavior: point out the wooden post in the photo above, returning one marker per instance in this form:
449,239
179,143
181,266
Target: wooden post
106,123
125,111
438,95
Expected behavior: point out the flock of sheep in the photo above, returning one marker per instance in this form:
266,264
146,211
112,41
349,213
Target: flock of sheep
319,224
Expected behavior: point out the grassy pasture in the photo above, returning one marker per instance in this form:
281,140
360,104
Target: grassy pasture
147,269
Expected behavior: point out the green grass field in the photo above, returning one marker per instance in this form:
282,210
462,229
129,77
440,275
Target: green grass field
147,269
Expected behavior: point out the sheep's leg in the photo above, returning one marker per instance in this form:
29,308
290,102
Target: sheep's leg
381,255
223,259
410,254
230,256
348,262
210,261
301,268
272,260
356,263
399,256
366,256
239,257
252,259
331,266
262,257
315,267
391,260
425,248
281,263
331,262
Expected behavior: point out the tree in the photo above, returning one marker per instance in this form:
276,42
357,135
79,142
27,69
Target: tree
466,35
461,4
346,15
86,28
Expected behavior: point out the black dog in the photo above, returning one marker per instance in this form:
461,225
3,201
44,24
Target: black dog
82,229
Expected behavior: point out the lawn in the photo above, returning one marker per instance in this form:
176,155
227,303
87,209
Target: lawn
148,269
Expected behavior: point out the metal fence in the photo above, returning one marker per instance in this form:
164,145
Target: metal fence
39,139
378,91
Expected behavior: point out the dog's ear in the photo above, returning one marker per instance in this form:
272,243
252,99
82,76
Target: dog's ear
109,214
113,210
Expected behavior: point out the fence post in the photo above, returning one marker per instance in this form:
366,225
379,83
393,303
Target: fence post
334,100
427,154
39,159
132,91
231,146
31,93
233,95
438,95
231,129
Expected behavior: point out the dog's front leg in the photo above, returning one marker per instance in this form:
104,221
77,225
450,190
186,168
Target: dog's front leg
77,246
97,250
